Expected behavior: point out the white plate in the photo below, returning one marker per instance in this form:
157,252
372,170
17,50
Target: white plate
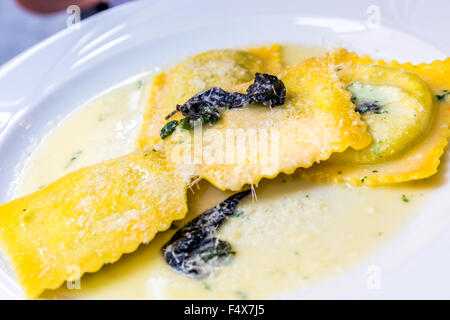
48,81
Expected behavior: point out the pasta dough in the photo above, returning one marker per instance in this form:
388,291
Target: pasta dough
90,217
224,68
420,156
254,142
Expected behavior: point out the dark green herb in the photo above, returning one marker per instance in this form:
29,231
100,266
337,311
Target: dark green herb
173,226
339,172
267,89
186,124
220,250
194,245
168,129
363,179
443,95
404,198
366,107
206,106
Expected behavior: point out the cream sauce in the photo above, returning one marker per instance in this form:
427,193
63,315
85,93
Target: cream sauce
102,129
294,235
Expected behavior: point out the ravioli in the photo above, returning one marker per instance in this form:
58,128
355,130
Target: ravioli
224,68
90,217
255,142
423,132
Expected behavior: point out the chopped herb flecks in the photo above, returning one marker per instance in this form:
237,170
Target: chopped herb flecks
238,213
376,149
241,294
101,117
74,157
206,286
404,198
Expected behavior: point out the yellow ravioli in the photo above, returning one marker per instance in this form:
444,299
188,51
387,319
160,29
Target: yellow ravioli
255,142
421,157
88,218
405,114
224,68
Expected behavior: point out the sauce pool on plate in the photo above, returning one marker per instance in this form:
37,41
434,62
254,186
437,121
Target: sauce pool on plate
292,236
